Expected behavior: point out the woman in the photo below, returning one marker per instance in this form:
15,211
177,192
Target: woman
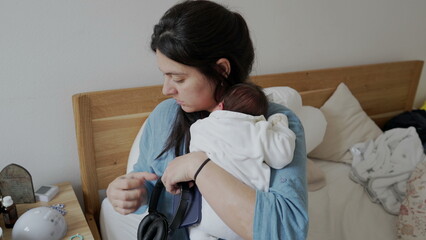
202,49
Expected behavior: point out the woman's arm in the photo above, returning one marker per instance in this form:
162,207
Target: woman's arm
128,192
232,200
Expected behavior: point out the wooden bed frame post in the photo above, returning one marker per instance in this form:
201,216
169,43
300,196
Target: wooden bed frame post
84,134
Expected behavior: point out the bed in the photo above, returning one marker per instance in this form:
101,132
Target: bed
108,124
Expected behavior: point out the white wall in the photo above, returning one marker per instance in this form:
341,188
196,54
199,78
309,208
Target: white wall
50,50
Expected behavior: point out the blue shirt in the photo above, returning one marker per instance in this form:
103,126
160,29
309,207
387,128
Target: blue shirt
280,213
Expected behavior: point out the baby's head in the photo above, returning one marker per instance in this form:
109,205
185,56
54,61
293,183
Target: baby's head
245,98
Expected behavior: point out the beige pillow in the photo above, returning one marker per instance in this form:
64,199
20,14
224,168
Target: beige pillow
347,124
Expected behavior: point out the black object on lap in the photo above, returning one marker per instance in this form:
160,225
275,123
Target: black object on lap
414,118
155,225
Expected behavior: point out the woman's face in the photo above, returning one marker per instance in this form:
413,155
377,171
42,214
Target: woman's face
191,89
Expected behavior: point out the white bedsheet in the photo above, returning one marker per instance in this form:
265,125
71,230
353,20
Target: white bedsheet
341,210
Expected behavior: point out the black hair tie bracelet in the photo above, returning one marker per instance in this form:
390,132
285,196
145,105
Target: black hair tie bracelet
201,167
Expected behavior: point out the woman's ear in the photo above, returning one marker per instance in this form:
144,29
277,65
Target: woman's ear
224,66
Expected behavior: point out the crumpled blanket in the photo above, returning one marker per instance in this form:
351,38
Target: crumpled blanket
384,165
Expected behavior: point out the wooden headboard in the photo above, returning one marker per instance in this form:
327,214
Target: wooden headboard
107,122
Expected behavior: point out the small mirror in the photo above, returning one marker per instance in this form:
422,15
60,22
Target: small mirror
16,181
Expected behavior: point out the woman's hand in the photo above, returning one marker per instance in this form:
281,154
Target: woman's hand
182,169
126,193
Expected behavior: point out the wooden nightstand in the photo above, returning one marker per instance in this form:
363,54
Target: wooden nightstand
76,222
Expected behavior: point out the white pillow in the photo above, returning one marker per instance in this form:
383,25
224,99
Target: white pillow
312,119
134,151
314,124
285,96
347,124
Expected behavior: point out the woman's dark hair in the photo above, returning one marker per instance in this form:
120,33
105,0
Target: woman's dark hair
198,34
246,98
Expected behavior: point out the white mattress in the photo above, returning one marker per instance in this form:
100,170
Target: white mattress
339,211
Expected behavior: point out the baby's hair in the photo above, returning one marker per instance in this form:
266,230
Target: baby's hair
246,98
